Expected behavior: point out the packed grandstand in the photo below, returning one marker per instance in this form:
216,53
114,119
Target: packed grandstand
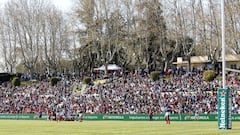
133,93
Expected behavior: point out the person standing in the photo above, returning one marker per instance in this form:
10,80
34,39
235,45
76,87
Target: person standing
49,114
196,115
150,114
39,112
167,114
80,115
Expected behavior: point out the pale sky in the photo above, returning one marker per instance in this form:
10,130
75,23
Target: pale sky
64,5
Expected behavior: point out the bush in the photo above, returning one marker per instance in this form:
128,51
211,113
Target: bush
209,75
155,75
54,81
16,81
87,80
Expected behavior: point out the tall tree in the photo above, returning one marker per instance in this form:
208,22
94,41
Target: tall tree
54,38
154,23
214,32
232,12
9,43
103,26
185,36
37,30
90,33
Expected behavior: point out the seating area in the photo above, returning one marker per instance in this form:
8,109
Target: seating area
128,94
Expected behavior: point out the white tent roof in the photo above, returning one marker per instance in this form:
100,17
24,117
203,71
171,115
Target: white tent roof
109,67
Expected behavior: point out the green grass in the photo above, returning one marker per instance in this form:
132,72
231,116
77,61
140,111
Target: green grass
30,127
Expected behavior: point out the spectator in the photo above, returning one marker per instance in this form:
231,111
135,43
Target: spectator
130,94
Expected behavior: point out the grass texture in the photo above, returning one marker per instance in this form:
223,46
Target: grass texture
38,127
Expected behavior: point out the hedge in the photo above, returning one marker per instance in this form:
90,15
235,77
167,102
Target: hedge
87,80
155,75
209,75
16,81
54,81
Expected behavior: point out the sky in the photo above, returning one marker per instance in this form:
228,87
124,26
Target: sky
64,5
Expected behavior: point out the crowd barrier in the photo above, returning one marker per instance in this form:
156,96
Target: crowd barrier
159,117
23,116
126,117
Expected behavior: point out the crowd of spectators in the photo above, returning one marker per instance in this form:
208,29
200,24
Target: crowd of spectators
129,94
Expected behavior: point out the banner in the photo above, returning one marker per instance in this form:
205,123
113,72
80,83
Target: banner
158,117
23,116
224,109
127,117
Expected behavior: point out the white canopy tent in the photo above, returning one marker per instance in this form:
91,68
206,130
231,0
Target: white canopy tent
112,67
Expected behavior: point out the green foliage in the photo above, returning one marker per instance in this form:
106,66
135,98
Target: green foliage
54,81
21,68
209,75
155,75
87,80
219,78
16,81
165,79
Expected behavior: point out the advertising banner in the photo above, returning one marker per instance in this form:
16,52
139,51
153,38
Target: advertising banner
127,117
22,116
224,109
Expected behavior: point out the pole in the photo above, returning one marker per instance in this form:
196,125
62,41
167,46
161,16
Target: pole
223,46
224,94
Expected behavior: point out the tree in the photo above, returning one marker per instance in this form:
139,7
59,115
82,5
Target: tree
214,45
89,34
54,38
26,15
155,30
232,10
110,39
103,29
184,28
148,33
37,31
10,49
132,47
172,49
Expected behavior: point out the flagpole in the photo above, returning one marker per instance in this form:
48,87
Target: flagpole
223,46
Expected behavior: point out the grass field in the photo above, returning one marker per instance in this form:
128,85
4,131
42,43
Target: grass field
29,127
